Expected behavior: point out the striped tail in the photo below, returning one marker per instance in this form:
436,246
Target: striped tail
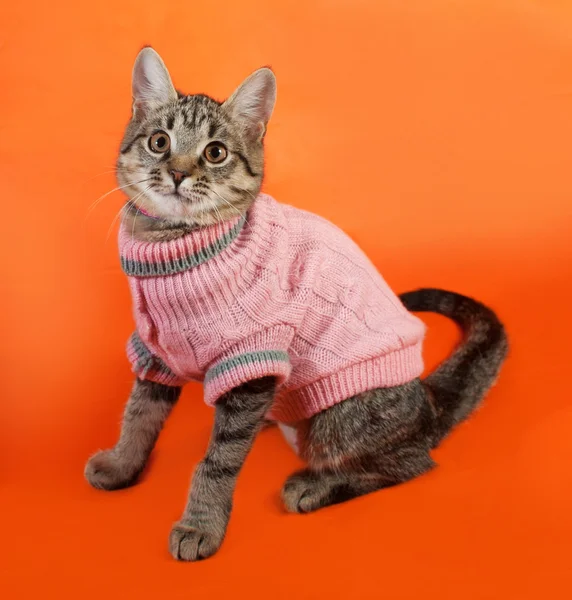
460,383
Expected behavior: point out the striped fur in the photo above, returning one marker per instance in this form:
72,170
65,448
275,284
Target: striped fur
238,418
147,408
461,382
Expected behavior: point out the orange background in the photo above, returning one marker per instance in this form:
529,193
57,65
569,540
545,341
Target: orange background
437,134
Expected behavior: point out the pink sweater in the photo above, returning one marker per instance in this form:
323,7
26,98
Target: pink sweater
285,294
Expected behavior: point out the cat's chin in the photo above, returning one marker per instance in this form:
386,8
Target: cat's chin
175,207
153,223
178,211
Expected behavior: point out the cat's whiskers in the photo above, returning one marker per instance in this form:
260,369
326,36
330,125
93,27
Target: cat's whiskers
249,193
219,216
135,198
231,206
137,211
117,170
113,223
116,189
133,227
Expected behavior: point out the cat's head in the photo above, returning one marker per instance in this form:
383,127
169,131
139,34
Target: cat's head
190,159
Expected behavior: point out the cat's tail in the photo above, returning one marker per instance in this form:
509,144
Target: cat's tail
461,381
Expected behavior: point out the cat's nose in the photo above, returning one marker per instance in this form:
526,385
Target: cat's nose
178,176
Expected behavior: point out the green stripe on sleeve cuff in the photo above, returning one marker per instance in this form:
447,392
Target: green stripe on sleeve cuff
246,359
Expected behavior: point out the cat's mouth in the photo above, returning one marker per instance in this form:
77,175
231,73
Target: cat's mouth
183,199
189,197
173,196
177,195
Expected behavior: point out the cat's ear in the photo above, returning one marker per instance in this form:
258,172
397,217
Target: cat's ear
253,102
151,82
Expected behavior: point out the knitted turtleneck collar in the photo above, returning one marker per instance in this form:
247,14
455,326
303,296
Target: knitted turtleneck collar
146,259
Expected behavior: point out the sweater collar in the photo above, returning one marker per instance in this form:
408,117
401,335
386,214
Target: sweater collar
148,259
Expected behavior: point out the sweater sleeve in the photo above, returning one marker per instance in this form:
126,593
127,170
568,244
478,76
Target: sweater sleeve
147,366
262,355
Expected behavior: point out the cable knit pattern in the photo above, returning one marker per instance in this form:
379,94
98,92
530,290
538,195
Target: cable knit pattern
283,293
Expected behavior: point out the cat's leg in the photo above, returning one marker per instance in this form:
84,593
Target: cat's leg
147,408
238,418
372,441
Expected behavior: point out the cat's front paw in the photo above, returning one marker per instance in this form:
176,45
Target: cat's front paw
193,543
106,471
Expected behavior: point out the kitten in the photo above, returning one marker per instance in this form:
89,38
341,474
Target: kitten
277,311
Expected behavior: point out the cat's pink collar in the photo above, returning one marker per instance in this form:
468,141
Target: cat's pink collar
143,211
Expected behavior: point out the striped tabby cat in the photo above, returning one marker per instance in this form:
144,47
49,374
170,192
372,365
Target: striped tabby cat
191,167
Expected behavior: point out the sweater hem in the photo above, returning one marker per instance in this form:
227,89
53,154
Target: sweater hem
390,370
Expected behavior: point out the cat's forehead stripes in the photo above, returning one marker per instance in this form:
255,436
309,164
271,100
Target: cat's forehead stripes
198,114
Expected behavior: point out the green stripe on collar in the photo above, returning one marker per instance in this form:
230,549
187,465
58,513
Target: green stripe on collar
178,265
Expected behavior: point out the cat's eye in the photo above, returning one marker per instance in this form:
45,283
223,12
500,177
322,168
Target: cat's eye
215,152
159,142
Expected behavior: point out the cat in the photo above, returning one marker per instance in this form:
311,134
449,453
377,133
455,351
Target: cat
192,169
